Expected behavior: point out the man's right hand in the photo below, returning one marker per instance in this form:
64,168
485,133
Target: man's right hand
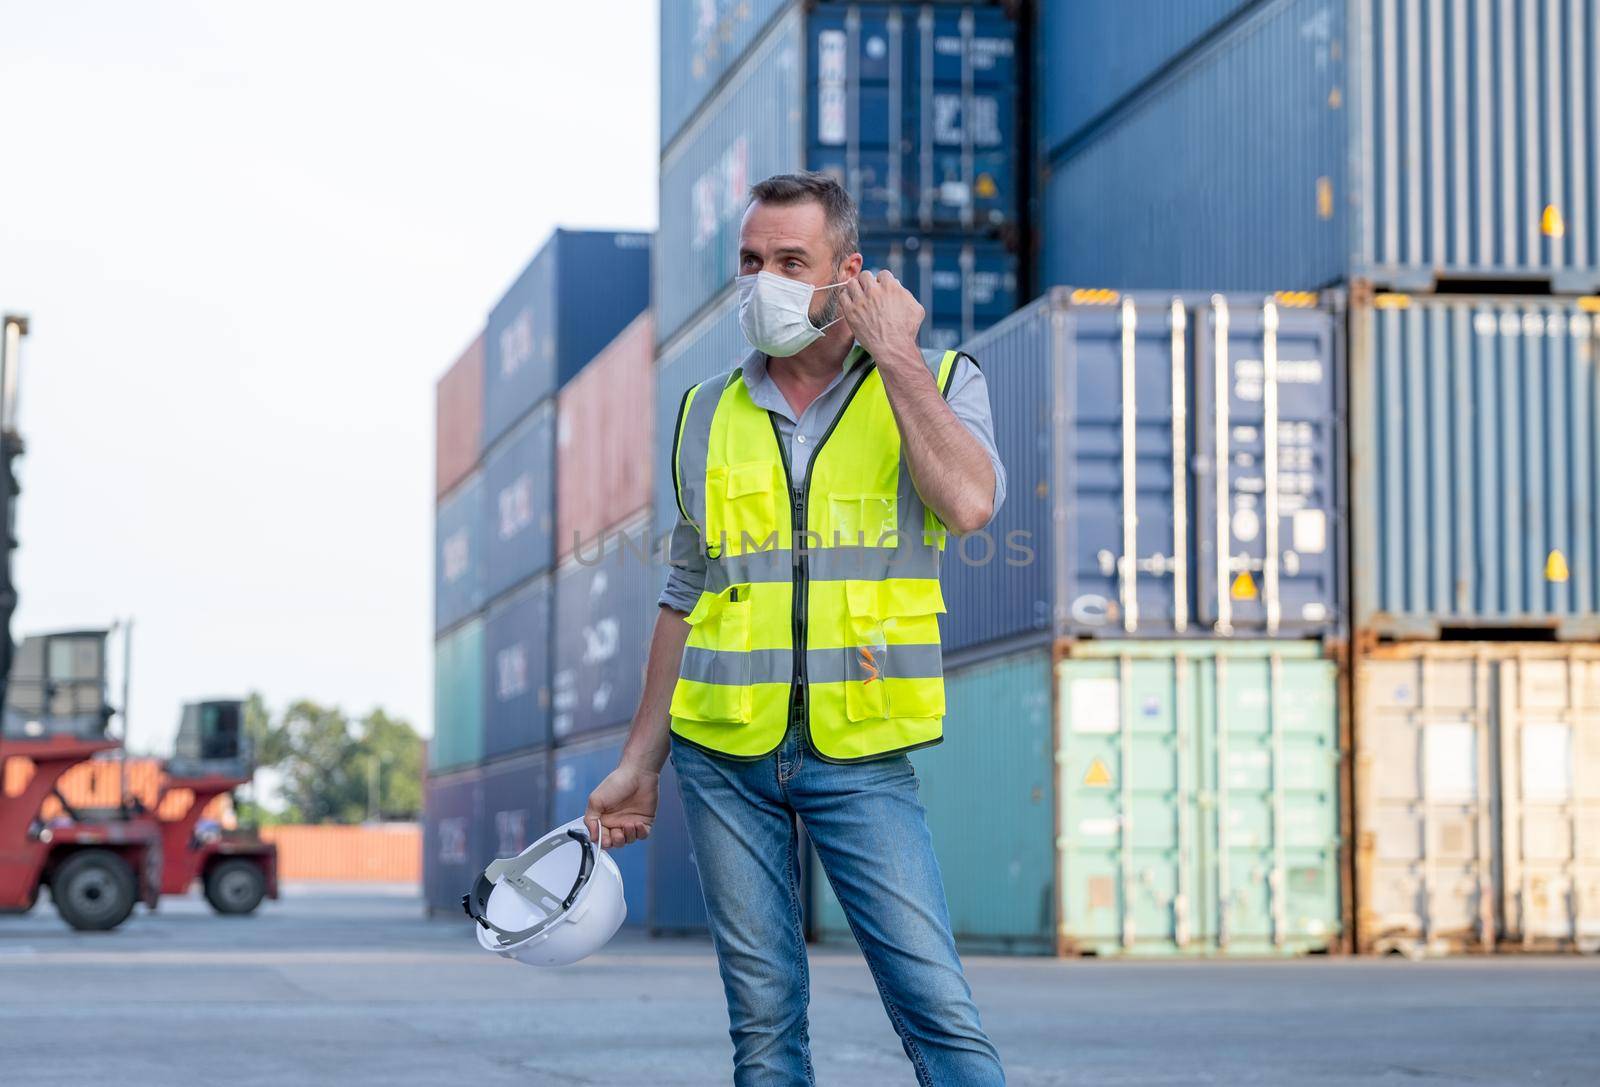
625,805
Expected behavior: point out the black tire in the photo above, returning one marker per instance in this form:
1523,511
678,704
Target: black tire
94,890
235,887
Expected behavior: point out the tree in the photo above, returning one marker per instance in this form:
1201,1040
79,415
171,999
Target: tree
336,771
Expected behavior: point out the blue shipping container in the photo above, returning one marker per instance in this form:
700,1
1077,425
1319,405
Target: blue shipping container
578,292
700,43
1110,413
516,681
458,554
452,839
605,606
841,89
1089,57
1317,141
1475,432
519,503
578,770
515,806
677,904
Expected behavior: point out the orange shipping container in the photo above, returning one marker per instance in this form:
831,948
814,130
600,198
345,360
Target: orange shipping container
381,853
458,418
98,784
605,438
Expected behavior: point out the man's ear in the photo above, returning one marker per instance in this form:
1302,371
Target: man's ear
851,267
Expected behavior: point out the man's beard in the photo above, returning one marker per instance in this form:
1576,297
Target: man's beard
832,305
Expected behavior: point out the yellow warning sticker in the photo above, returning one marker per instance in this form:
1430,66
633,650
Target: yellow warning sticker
1555,567
1551,222
1244,587
1099,773
986,187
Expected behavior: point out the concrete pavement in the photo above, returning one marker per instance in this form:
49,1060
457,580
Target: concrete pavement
353,985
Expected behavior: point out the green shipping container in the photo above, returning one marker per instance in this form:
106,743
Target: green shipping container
990,800
1198,790
458,698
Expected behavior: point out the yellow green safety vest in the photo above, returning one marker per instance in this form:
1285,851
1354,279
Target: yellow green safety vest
846,610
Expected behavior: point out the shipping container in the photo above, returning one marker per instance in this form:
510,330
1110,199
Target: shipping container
1417,144
700,43
1198,793
576,294
1475,431
989,793
371,853
605,438
1477,783
106,782
519,476
516,805
1089,57
964,284
579,769
452,836
676,905
1111,412
458,419
458,554
911,107
605,608
516,677
457,698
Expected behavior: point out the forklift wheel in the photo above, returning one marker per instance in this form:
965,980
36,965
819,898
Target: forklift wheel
94,890
235,886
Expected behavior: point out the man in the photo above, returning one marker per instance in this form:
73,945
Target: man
796,656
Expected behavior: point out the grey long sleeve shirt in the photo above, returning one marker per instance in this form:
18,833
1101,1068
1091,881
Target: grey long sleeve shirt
968,398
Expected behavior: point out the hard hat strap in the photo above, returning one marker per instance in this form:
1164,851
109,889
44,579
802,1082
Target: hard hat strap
513,872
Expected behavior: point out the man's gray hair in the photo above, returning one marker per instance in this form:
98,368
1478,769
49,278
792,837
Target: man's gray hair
837,204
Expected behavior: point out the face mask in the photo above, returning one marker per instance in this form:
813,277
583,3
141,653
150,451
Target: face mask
775,313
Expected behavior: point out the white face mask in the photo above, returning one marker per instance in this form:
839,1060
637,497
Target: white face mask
775,313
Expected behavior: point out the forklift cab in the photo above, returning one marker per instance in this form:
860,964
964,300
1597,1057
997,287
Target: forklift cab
55,716
212,756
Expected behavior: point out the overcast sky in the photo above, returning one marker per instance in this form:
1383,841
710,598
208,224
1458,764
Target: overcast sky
250,236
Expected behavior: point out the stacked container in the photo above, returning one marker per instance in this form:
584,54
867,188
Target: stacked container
1143,729
1438,164
499,481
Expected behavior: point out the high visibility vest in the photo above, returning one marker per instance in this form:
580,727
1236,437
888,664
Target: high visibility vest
827,583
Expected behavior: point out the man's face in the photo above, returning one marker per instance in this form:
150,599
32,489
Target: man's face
793,241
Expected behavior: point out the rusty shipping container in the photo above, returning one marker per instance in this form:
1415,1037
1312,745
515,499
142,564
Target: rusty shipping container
1475,437
1477,788
458,419
605,438
380,853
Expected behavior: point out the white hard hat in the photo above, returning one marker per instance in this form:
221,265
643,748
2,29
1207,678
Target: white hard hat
554,903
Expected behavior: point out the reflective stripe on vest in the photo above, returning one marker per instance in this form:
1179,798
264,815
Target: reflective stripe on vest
849,607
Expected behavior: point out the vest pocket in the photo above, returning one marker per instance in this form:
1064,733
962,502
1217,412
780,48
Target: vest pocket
893,669
716,685
857,520
740,503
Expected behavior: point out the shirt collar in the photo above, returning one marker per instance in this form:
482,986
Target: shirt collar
754,366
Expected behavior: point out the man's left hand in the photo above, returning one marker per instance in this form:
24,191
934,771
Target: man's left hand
883,315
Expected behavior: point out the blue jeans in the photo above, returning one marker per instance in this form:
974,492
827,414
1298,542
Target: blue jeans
871,833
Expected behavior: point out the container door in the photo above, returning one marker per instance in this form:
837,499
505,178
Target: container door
857,73
1550,778
1424,797
1126,785
1268,480
1268,812
1127,527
